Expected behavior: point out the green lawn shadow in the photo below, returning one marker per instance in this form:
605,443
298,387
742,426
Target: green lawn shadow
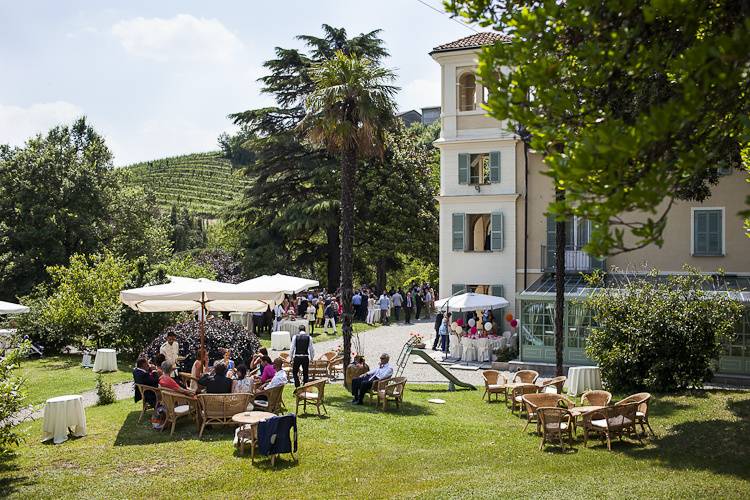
11,480
406,409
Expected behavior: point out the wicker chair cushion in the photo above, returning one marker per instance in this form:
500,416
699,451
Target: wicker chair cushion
495,386
182,409
617,421
260,402
554,426
309,395
640,414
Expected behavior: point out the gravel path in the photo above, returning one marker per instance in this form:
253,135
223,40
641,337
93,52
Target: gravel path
392,338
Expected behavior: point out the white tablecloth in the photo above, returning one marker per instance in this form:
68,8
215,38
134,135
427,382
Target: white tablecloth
582,379
62,415
292,326
454,347
280,340
106,360
468,349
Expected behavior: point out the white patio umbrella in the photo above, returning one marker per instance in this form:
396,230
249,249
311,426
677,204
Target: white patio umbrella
11,308
279,283
188,294
471,302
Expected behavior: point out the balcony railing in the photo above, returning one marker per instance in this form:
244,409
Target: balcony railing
576,260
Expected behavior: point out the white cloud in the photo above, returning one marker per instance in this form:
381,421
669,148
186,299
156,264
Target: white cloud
18,123
419,93
183,38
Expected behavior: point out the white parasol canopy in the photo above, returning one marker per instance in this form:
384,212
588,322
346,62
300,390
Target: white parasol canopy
278,283
11,308
471,302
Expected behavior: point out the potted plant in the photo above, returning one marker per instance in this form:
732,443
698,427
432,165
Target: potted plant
418,340
502,356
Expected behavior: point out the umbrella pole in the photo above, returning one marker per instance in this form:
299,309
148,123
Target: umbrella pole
203,327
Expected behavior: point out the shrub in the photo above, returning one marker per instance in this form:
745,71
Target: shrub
659,335
104,391
11,397
219,334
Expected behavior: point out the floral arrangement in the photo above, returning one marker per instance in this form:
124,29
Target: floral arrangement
418,337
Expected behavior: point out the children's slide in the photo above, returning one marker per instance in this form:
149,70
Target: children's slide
441,369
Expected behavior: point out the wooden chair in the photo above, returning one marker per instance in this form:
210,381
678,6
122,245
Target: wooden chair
595,398
641,414
611,421
393,390
517,394
555,423
275,402
494,383
312,392
143,390
336,366
525,376
218,409
376,387
556,383
177,406
318,369
543,400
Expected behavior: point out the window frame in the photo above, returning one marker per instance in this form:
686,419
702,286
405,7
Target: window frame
459,93
723,250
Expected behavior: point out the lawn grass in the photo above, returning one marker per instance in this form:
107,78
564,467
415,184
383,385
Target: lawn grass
464,448
59,375
319,336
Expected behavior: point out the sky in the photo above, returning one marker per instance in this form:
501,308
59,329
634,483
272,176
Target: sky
159,78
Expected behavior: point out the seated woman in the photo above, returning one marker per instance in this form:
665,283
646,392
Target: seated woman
198,368
279,378
228,362
255,362
242,383
267,370
168,382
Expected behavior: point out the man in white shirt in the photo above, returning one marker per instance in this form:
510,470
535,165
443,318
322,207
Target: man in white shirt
362,384
301,352
278,314
385,303
280,378
170,349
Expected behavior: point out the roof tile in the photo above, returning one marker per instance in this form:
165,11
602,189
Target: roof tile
473,41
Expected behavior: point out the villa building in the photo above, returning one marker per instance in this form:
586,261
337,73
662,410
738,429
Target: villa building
495,237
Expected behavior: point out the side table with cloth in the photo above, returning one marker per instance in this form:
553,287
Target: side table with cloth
62,415
292,326
468,350
106,360
582,379
280,340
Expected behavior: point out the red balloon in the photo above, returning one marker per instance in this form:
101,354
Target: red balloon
514,323
509,317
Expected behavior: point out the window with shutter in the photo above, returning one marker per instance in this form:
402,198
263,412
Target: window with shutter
463,168
456,289
497,290
708,237
496,226
458,232
495,166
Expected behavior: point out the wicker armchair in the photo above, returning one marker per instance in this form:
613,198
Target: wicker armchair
376,388
275,402
313,393
525,376
494,383
218,409
610,421
595,398
393,391
555,384
641,414
517,394
336,366
178,405
555,423
542,400
287,366
318,369
144,389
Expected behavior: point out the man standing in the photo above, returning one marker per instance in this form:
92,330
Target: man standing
428,301
278,314
362,384
438,323
408,305
397,300
384,304
356,303
330,313
171,349
417,303
301,353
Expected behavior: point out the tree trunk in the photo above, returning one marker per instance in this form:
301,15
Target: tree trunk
348,166
380,274
334,258
559,287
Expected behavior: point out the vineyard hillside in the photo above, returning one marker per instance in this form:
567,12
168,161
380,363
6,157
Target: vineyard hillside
202,182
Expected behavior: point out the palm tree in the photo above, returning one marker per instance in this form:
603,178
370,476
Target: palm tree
348,113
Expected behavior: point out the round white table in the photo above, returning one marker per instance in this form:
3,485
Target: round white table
106,360
292,326
582,379
280,340
63,415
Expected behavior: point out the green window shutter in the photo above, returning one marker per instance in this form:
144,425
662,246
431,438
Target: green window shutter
497,290
496,228
495,166
707,232
457,289
458,232
463,168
